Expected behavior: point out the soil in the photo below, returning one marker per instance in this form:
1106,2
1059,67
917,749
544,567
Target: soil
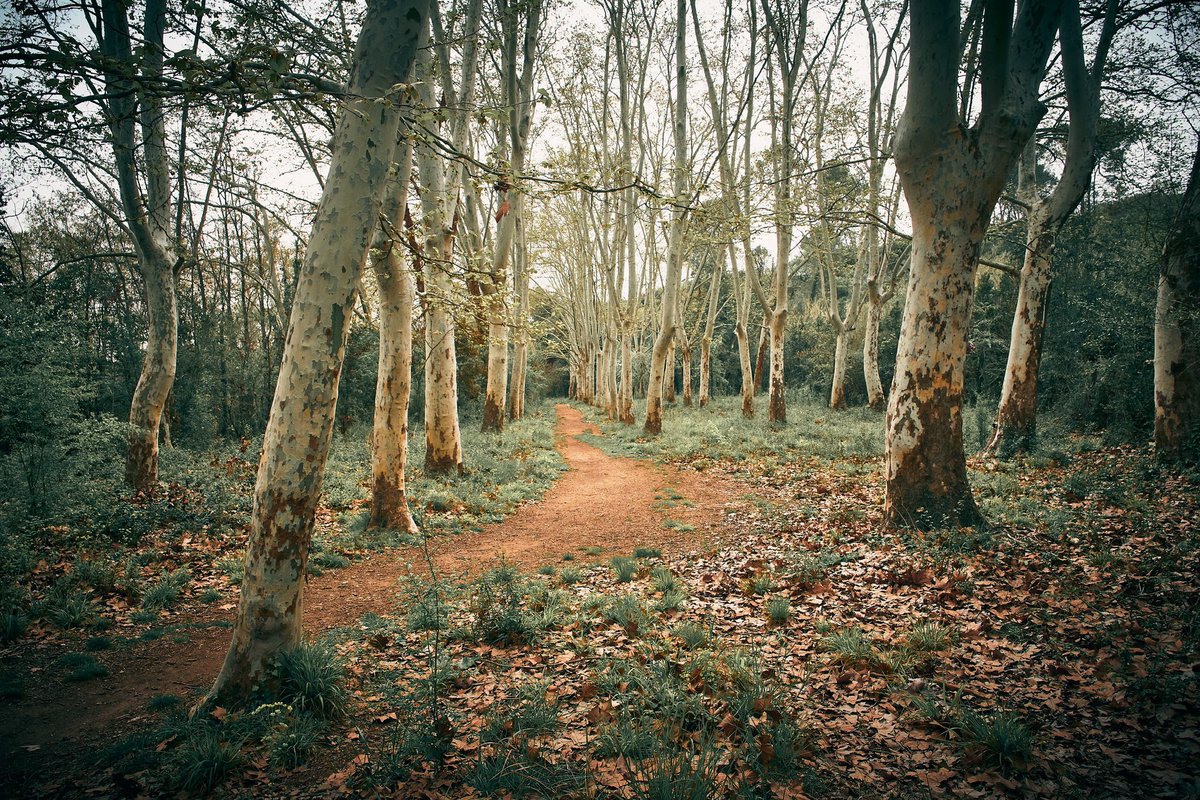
614,504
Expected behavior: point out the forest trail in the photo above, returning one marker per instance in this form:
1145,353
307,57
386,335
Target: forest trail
617,504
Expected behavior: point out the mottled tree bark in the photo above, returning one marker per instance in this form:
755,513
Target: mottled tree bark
952,177
1177,334
389,434
296,443
666,332
1016,417
875,396
146,205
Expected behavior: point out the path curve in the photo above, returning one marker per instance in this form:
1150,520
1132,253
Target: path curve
616,504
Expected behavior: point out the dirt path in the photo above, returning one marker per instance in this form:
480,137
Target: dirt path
616,504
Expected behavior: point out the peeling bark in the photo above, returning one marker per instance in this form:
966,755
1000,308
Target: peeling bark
952,177
296,443
389,434
1016,418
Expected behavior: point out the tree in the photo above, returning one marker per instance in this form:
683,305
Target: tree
1016,417
296,442
675,249
1177,334
440,176
786,28
952,173
518,97
389,432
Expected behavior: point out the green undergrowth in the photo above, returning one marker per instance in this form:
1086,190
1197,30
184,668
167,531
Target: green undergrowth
186,544
720,432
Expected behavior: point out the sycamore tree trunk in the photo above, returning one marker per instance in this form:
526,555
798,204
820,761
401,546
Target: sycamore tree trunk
661,368
520,355
669,374
148,214
952,177
1177,335
776,405
389,434
296,442
685,358
837,393
626,396
743,343
875,396
1016,418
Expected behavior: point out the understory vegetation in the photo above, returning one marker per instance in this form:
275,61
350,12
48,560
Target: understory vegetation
813,654
132,565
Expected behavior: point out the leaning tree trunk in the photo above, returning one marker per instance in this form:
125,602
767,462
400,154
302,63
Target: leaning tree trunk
296,443
705,370
389,434
1177,335
1016,418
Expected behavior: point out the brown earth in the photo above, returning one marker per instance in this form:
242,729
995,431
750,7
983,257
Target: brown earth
600,502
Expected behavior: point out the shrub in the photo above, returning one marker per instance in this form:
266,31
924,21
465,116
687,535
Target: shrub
166,591
929,637
83,666
570,575
163,702
647,552
671,601
999,740
851,647
664,580
12,625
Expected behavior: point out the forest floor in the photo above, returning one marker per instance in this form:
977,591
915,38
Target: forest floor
602,504
718,612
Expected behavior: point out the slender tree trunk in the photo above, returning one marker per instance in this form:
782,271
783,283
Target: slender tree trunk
837,394
777,406
158,369
669,374
389,434
705,370
1016,418
685,356
875,396
148,214
661,367
520,357
743,341
626,399
296,443
760,359
1177,335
